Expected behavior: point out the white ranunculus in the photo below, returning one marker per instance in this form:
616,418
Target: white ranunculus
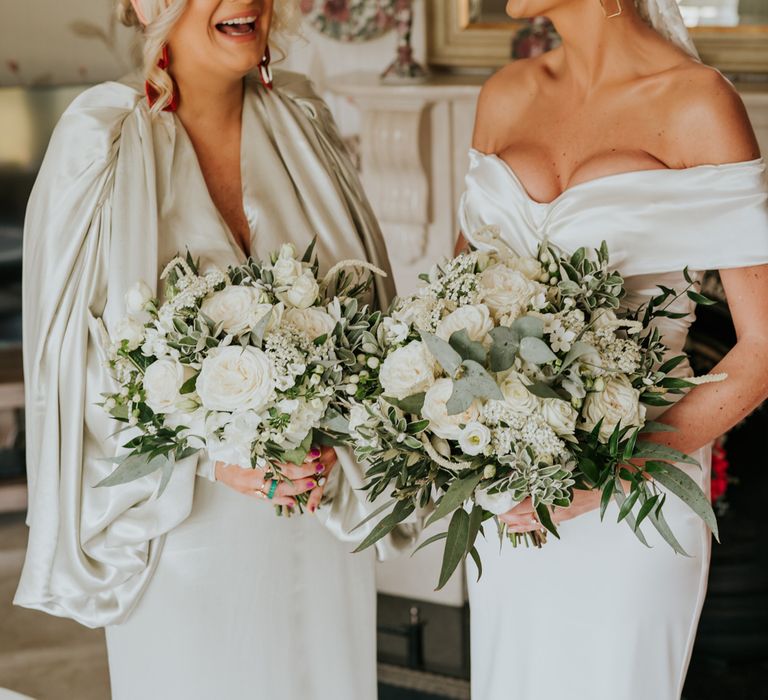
474,439
137,298
234,379
163,380
395,332
560,416
530,267
474,318
286,271
516,394
436,411
415,312
506,292
234,445
313,322
237,308
130,330
618,402
604,318
302,293
496,503
408,370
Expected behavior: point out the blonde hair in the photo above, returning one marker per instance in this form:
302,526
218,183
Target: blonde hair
162,16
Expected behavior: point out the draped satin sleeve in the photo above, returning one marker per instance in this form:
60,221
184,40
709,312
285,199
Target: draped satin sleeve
88,236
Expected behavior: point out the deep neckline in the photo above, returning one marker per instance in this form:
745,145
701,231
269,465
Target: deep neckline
603,178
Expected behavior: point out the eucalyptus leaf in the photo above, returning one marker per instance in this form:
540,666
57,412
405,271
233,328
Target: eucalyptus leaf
478,563
165,478
529,327
686,489
457,494
474,383
455,546
448,358
506,343
376,512
543,390
620,497
652,426
658,520
654,451
536,351
578,350
257,334
429,541
466,347
400,512
131,468
410,404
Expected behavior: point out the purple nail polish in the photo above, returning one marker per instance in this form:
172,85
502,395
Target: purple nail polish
314,453
311,483
320,468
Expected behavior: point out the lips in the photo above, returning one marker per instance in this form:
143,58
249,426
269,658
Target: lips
238,26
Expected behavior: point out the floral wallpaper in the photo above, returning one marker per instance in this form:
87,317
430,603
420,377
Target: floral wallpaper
55,42
350,20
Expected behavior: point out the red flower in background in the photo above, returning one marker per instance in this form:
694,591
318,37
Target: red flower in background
720,467
337,10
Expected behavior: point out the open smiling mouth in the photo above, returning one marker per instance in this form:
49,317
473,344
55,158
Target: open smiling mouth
241,26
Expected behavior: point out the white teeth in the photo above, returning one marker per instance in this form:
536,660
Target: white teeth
240,20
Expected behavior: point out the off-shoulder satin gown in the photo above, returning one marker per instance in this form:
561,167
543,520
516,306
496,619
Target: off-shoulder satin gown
596,615
205,593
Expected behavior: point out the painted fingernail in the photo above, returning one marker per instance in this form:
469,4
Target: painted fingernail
314,453
312,508
322,481
320,468
311,483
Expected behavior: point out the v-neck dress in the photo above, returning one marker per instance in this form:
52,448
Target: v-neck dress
205,593
596,615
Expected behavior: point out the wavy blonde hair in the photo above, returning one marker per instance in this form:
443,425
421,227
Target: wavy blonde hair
162,16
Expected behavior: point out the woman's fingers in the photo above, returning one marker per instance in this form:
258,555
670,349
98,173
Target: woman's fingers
309,468
316,497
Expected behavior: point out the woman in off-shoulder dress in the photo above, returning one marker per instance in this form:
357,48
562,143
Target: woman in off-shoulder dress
619,135
204,592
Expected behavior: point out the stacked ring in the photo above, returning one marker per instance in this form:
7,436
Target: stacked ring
272,489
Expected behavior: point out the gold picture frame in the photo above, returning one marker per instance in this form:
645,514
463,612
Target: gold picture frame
454,42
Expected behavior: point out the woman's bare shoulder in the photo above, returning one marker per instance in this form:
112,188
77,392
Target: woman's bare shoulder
706,117
504,96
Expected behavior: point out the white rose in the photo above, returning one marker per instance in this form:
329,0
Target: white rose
305,417
237,308
137,298
286,271
234,446
496,503
506,292
408,370
130,330
303,292
475,319
313,322
516,394
234,378
436,411
163,380
474,439
618,402
560,416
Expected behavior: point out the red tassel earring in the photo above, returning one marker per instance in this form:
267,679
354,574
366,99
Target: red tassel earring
265,72
152,93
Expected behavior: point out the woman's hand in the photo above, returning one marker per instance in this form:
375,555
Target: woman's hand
312,476
522,518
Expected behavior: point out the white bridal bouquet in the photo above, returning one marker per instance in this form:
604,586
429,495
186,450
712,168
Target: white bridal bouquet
507,377
246,364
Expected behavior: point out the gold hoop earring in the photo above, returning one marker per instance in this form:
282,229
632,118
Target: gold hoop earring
609,15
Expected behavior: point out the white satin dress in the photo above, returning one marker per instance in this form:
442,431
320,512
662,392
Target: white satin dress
205,593
596,615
